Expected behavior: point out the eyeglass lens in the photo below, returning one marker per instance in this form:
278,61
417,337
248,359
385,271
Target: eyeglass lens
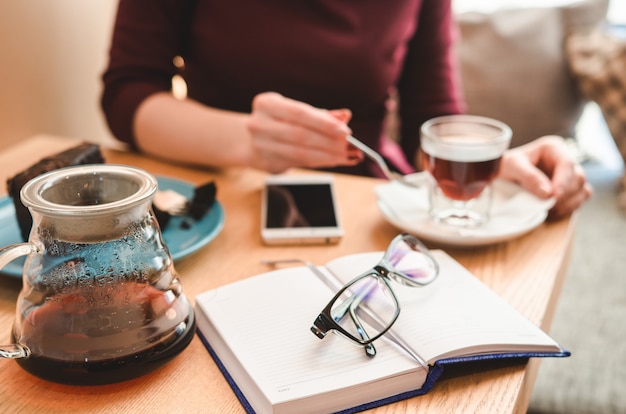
365,309
410,261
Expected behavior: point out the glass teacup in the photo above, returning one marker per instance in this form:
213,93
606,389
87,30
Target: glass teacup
462,154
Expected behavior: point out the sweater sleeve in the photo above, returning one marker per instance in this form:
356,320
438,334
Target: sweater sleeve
429,84
147,36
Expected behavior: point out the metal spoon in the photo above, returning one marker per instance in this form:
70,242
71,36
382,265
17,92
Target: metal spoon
374,156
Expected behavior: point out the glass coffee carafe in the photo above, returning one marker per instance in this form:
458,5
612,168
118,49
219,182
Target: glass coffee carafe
101,301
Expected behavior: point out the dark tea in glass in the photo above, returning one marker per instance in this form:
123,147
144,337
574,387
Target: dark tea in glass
461,179
462,155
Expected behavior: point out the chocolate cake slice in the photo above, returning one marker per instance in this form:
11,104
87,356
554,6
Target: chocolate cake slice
85,153
204,196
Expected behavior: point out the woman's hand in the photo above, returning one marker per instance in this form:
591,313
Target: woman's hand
287,133
545,168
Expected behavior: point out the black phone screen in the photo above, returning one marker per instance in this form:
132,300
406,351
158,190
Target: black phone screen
300,205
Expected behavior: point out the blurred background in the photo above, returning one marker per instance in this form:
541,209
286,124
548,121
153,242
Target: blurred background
52,54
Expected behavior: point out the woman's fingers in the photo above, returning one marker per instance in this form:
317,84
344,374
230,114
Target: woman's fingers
288,133
545,168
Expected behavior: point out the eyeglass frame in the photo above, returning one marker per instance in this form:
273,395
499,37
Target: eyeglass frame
325,322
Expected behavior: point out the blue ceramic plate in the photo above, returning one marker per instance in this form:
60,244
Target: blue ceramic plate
181,239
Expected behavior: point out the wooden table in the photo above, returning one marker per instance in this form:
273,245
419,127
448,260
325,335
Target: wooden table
528,272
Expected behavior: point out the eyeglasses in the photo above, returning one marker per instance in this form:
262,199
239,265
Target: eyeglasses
366,308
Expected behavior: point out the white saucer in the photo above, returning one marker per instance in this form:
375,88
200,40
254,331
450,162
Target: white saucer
514,212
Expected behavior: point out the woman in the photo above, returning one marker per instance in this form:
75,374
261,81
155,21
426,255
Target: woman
276,84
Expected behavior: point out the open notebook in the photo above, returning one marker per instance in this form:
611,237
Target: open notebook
257,330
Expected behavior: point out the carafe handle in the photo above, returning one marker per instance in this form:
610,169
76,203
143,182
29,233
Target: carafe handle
8,254
13,251
14,351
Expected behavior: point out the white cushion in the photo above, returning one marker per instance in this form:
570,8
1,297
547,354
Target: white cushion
514,67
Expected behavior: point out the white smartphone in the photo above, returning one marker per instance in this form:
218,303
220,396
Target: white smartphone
300,209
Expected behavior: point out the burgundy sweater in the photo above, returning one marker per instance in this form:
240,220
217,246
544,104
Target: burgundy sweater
329,53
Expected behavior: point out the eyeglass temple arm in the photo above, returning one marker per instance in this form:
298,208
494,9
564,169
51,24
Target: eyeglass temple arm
370,350
348,307
321,326
371,319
